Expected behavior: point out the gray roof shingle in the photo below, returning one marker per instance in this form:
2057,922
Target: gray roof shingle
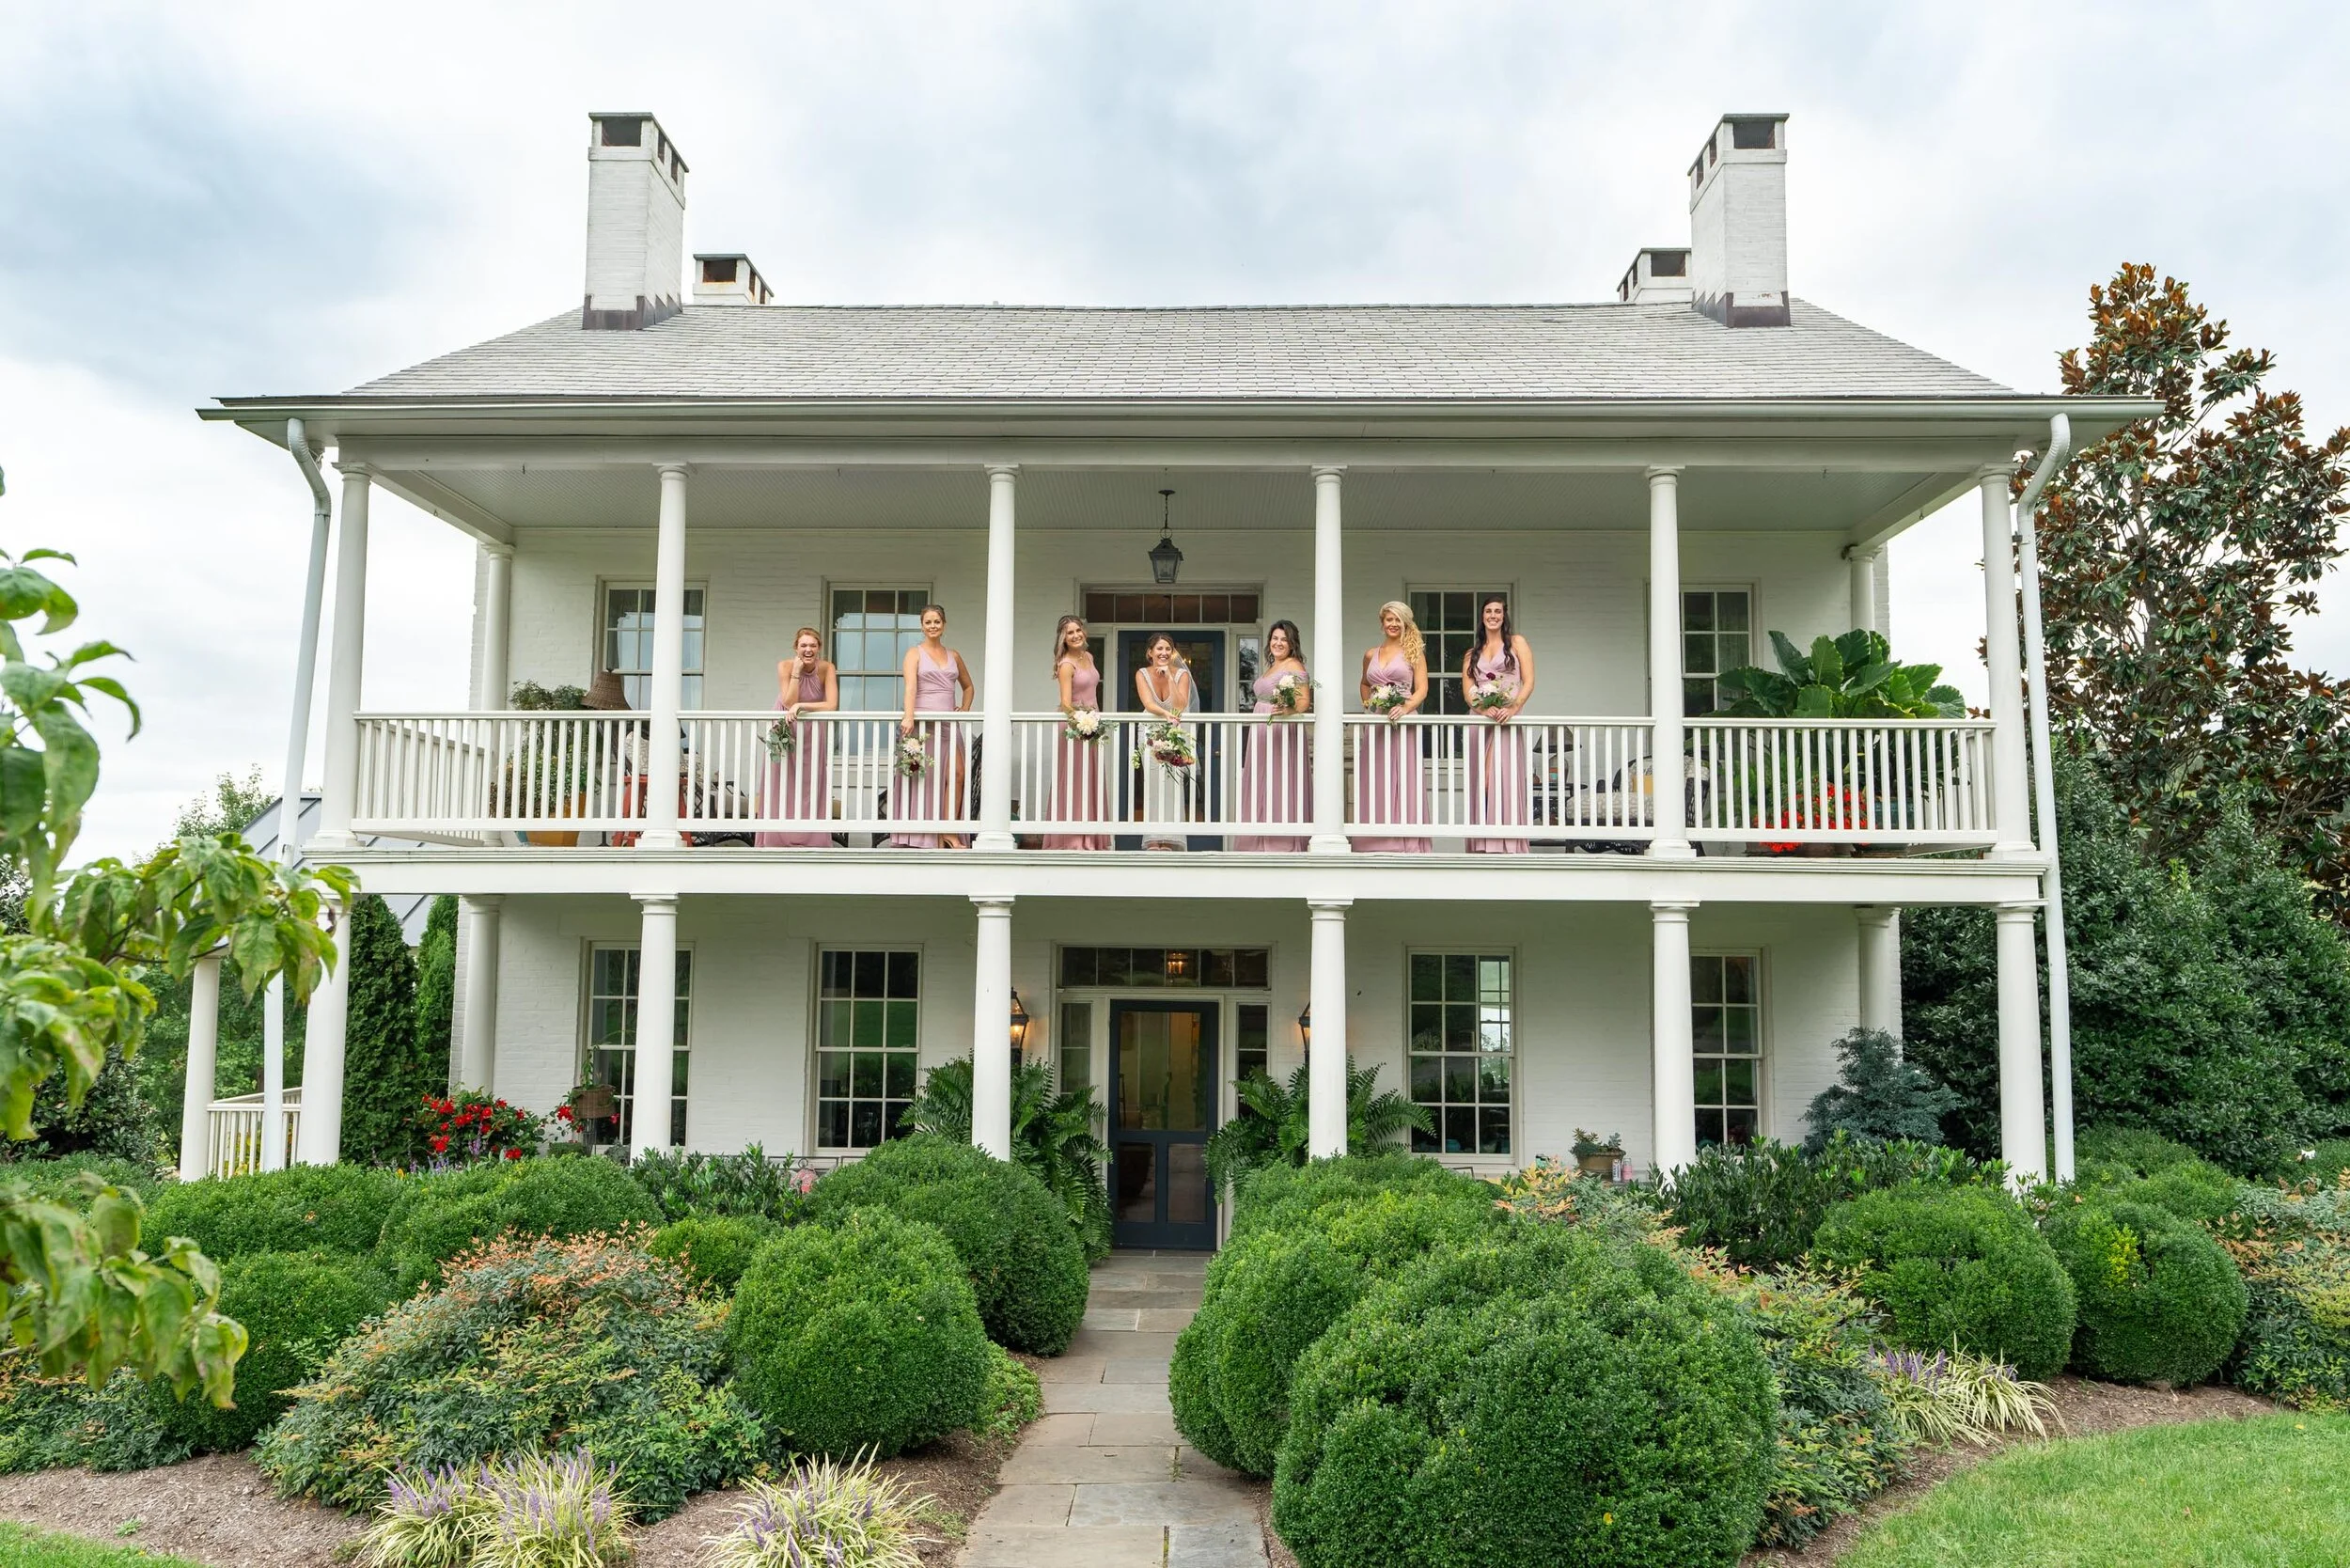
789,354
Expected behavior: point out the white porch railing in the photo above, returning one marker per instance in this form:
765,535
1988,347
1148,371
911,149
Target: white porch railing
838,775
1532,779
1899,782
233,1132
458,773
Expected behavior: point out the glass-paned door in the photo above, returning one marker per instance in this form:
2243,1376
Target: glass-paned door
1162,1093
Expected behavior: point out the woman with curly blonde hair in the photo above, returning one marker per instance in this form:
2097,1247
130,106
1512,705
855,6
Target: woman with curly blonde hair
1394,684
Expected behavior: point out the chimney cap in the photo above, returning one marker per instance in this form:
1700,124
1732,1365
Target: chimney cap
626,128
1657,272
729,278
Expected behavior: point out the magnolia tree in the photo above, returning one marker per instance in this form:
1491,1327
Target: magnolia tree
81,1295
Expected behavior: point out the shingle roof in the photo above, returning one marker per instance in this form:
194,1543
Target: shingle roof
1342,353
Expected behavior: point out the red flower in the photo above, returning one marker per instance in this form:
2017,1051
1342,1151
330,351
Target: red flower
440,1145
513,1154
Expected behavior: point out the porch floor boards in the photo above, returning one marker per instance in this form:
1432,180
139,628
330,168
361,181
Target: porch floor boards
1103,1480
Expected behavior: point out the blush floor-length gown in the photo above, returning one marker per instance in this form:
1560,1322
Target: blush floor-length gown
1499,780
1080,781
799,783
938,791
1389,786
1276,773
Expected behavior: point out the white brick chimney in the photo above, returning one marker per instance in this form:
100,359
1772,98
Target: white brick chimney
729,279
636,223
1660,274
1738,222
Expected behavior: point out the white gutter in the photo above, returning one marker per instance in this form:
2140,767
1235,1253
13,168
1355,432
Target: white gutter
2044,798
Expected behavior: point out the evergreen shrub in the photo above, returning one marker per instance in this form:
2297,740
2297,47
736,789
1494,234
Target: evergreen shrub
436,1217
1026,1266
1762,1203
1550,1396
712,1252
303,1208
861,1334
2194,1189
2160,1302
1274,1196
59,1180
1956,1268
385,1074
297,1307
2141,1149
56,1423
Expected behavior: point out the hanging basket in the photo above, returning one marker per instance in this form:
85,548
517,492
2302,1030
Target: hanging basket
597,1103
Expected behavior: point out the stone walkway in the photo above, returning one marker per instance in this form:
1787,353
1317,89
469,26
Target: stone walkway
1103,1481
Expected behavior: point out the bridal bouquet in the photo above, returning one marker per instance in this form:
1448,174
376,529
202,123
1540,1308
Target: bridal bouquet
912,759
1085,723
1168,745
782,737
1288,692
1386,698
1493,696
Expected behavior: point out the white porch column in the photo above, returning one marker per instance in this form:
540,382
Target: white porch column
321,1134
2011,799
477,1048
498,599
656,1021
1675,1087
2023,1117
1862,573
1668,796
1329,710
1325,1092
995,744
665,765
343,665
991,1039
273,1077
196,1107
1880,970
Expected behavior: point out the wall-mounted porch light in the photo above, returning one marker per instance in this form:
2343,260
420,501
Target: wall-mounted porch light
1306,1030
1019,1028
1165,559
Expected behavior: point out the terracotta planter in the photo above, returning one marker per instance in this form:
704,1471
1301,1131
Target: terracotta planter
561,838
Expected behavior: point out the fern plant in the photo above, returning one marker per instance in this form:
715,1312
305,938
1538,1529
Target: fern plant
1053,1138
1271,1126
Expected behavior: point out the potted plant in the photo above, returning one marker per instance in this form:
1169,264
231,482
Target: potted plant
587,1108
529,776
1598,1156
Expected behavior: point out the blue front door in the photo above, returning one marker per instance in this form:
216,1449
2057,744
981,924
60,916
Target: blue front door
1162,1098
1204,652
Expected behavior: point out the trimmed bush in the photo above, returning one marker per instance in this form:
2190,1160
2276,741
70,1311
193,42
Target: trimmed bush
59,1180
2195,1190
436,1217
298,1307
2140,1149
1762,1203
2296,1345
1549,1397
1957,1267
1027,1266
1015,1395
2160,1302
862,1334
747,1186
714,1252
533,1345
53,1423
1280,1195
303,1208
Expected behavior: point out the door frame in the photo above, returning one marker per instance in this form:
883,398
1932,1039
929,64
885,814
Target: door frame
1207,697
1158,1232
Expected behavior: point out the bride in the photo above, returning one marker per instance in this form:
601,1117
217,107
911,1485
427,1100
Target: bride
1164,687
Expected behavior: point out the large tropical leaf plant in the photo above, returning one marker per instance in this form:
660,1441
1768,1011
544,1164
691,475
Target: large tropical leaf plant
1271,1126
1854,676
1052,1136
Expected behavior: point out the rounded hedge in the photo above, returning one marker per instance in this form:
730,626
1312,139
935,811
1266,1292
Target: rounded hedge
714,1251
1957,1266
436,1217
2148,1153
297,1308
2160,1301
2194,1191
303,1208
1275,1195
859,1334
1549,1396
1027,1266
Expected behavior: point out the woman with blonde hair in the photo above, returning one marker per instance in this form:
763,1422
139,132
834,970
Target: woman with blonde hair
799,772
1387,784
937,682
1080,794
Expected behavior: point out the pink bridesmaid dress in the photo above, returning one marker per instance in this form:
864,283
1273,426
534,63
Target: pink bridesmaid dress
1080,791
938,792
1388,783
1499,780
799,783
1276,774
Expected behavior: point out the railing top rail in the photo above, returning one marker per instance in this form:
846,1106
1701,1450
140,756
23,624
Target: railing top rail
1714,721
1617,720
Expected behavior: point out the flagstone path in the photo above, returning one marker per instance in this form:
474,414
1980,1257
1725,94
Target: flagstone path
1103,1481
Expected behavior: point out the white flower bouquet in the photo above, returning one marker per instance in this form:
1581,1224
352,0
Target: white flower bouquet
1288,690
1085,723
1493,696
1385,697
912,759
1168,745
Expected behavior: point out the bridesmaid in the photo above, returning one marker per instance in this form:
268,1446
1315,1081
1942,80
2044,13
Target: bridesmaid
1501,663
1164,686
936,682
799,783
1387,760
1078,791
1276,766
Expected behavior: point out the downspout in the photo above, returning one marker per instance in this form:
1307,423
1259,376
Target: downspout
2044,798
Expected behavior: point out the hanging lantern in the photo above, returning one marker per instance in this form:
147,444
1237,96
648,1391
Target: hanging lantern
1165,561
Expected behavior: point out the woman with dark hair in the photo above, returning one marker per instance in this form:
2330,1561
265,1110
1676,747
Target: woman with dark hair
1497,678
1277,768
937,682
1164,687
1080,791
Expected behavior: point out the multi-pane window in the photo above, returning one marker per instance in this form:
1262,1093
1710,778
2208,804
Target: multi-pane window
612,987
1461,1049
1112,608
628,644
1725,1022
1233,968
1449,624
868,1026
874,629
1074,1047
1716,637
1249,1046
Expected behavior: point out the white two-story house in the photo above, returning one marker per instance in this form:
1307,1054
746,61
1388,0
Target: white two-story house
1669,916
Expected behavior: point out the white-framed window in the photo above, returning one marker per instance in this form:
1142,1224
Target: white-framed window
1252,1040
612,989
874,629
1463,1045
1726,1026
1074,1047
1716,637
869,1018
624,642
1449,624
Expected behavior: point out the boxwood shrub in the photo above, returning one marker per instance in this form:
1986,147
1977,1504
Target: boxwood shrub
2195,1190
59,1180
436,1217
297,1307
1957,1266
1762,1203
2160,1302
303,1208
860,1334
714,1252
1275,1195
2135,1148
1551,1396
1027,1266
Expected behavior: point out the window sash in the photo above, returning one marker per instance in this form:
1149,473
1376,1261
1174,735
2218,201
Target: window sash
871,630
1074,1049
1716,637
868,1030
614,974
1460,1050
624,637
1449,624
1726,1035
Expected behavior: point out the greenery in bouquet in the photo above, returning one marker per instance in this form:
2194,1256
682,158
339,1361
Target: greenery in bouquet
1289,691
1084,724
783,736
910,758
1386,698
1167,744
1493,696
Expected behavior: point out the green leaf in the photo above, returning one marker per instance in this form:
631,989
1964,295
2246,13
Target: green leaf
1815,702
1798,668
1827,664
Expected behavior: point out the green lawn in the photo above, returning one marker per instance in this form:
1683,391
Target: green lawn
2258,1493
36,1548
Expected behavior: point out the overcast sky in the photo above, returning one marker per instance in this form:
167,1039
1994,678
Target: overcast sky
218,199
